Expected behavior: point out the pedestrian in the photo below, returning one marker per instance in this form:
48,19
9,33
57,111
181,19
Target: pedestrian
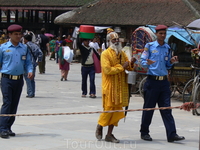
63,64
95,45
2,37
58,44
44,45
87,67
36,58
69,41
52,46
14,58
157,58
115,93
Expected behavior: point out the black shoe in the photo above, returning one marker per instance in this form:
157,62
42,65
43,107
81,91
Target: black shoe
4,134
61,79
176,138
146,137
11,133
29,96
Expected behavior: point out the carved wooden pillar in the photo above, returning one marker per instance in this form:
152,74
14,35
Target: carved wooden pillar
0,15
45,17
36,16
16,16
48,18
28,16
31,14
53,16
23,16
8,16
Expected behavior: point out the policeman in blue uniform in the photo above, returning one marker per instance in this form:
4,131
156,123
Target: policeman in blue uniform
14,58
157,58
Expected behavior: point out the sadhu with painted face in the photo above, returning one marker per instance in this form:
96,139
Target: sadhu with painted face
115,94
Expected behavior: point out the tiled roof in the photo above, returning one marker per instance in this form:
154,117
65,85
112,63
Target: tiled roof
133,12
59,3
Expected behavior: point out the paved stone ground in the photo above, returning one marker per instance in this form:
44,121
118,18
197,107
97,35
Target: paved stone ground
78,131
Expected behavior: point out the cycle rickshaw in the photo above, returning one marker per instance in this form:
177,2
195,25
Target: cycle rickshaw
180,43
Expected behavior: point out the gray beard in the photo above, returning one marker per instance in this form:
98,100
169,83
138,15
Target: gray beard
117,48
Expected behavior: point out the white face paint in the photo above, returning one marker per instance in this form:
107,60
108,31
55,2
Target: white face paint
117,46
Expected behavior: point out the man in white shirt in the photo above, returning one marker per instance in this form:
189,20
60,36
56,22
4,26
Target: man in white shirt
94,44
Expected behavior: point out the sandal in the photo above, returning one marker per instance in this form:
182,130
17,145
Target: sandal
92,96
99,132
111,138
83,96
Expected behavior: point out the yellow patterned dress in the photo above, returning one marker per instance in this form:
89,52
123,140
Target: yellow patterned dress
114,86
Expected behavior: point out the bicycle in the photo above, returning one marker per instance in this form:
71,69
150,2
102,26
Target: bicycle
141,89
191,91
135,88
178,78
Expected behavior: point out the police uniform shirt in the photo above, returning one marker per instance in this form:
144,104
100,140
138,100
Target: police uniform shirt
14,59
160,54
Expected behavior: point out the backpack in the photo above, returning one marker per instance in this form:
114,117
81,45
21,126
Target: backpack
38,40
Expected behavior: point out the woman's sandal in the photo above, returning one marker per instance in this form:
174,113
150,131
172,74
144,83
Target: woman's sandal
83,96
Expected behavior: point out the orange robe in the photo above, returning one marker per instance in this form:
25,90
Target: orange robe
114,86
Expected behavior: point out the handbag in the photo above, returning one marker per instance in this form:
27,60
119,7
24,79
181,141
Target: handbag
68,54
97,63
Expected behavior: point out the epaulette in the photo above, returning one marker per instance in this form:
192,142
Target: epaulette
5,43
167,45
147,48
150,43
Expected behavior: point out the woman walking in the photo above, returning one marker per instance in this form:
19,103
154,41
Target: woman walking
63,64
52,45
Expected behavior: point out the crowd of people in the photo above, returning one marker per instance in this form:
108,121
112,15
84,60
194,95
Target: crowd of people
115,93
20,54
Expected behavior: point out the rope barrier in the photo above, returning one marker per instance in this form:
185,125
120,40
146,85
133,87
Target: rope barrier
186,106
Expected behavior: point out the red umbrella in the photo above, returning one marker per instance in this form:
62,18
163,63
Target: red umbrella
48,35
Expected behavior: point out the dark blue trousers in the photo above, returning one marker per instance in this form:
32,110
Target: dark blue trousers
85,71
157,92
11,91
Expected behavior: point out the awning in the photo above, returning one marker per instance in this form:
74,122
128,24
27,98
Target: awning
180,34
38,8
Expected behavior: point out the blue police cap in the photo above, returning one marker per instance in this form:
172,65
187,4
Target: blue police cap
15,28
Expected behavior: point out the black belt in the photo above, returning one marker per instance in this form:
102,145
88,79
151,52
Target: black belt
12,76
160,78
90,65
